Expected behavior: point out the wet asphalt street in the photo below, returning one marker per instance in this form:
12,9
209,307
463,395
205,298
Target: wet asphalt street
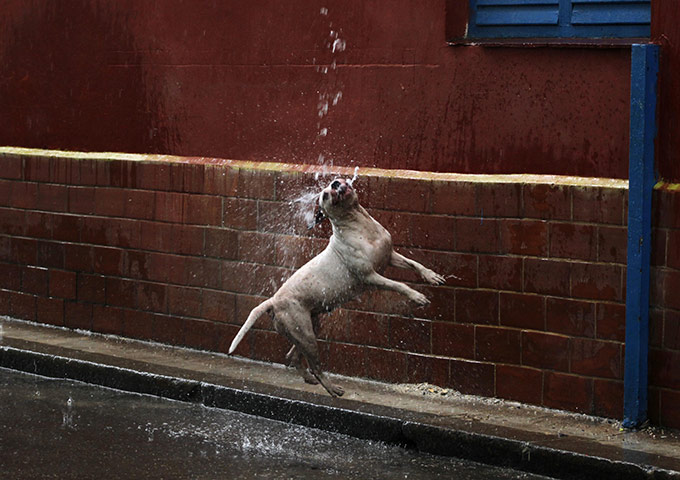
70,430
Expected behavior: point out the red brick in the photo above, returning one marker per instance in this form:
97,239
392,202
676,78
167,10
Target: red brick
169,207
256,184
663,368
169,329
400,227
667,209
36,169
91,288
597,281
52,197
608,398
24,251
194,178
257,247
121,292
78,315
547,201
431,231
81,200
35,280
153,175
659,242
50,311
673,249
268,346
612,244
5,248
386,365
653,405
671,337
568,392
107,320
522,311
122,173
62,284
5,192
109,202
220,180
225,333
241,213
372,190
221,243
109,261
409,195
569,240
453,340
50,254
546,276
477,306
345,359
570,317
668,409
24,195
453,198
294,252
421,368
5,302
596,358
38,225
671,286
138,324
546,351
12,221
498,345
442,302
200,334
184,301
656,327
23,306
203,210
410,334
11,276
152,296
519,384
477,235
524,237
611,321
498,272
252,278
599,204
11,167
78,257
498,199
366,328
219,306
291,185
66,228
474,378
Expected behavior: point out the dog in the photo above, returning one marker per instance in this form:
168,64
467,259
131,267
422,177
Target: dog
358,252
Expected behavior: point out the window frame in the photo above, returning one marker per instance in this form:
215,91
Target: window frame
563,29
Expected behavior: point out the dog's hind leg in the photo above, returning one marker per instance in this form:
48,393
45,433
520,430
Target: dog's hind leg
296,325
294,358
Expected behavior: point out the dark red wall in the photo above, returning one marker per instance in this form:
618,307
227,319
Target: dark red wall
666,31
240,80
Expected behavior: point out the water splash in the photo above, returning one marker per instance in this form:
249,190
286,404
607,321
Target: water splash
354,177
67,415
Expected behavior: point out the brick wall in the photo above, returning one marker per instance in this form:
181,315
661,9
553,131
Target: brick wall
178,250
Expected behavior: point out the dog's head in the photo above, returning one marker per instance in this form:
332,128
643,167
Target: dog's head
336,198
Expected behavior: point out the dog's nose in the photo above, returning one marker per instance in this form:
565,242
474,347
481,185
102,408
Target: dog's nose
342,189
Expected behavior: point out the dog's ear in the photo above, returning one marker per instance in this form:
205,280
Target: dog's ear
319,217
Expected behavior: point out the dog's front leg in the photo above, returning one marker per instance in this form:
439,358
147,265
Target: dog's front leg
400,261
378,281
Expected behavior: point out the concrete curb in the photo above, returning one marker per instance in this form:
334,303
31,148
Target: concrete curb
383,424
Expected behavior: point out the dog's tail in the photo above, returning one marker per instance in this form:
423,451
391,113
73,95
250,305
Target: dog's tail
255,313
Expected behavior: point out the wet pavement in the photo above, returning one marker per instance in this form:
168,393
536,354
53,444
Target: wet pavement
535,440
64,429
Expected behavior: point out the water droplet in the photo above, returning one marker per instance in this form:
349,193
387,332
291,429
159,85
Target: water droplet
324,11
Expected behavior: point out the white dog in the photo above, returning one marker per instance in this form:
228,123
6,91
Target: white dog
358,252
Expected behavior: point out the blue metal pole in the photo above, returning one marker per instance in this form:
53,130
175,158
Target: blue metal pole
644,71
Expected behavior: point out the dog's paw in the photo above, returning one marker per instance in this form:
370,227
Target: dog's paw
337,391
433,278
420,299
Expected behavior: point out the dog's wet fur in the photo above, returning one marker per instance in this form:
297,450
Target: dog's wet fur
358,252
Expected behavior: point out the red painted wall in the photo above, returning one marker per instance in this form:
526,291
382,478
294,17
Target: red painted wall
242,80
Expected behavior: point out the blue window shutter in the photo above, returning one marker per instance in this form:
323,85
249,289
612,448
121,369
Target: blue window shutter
559,18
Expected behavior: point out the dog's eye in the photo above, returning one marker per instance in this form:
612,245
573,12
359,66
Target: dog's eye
335,185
